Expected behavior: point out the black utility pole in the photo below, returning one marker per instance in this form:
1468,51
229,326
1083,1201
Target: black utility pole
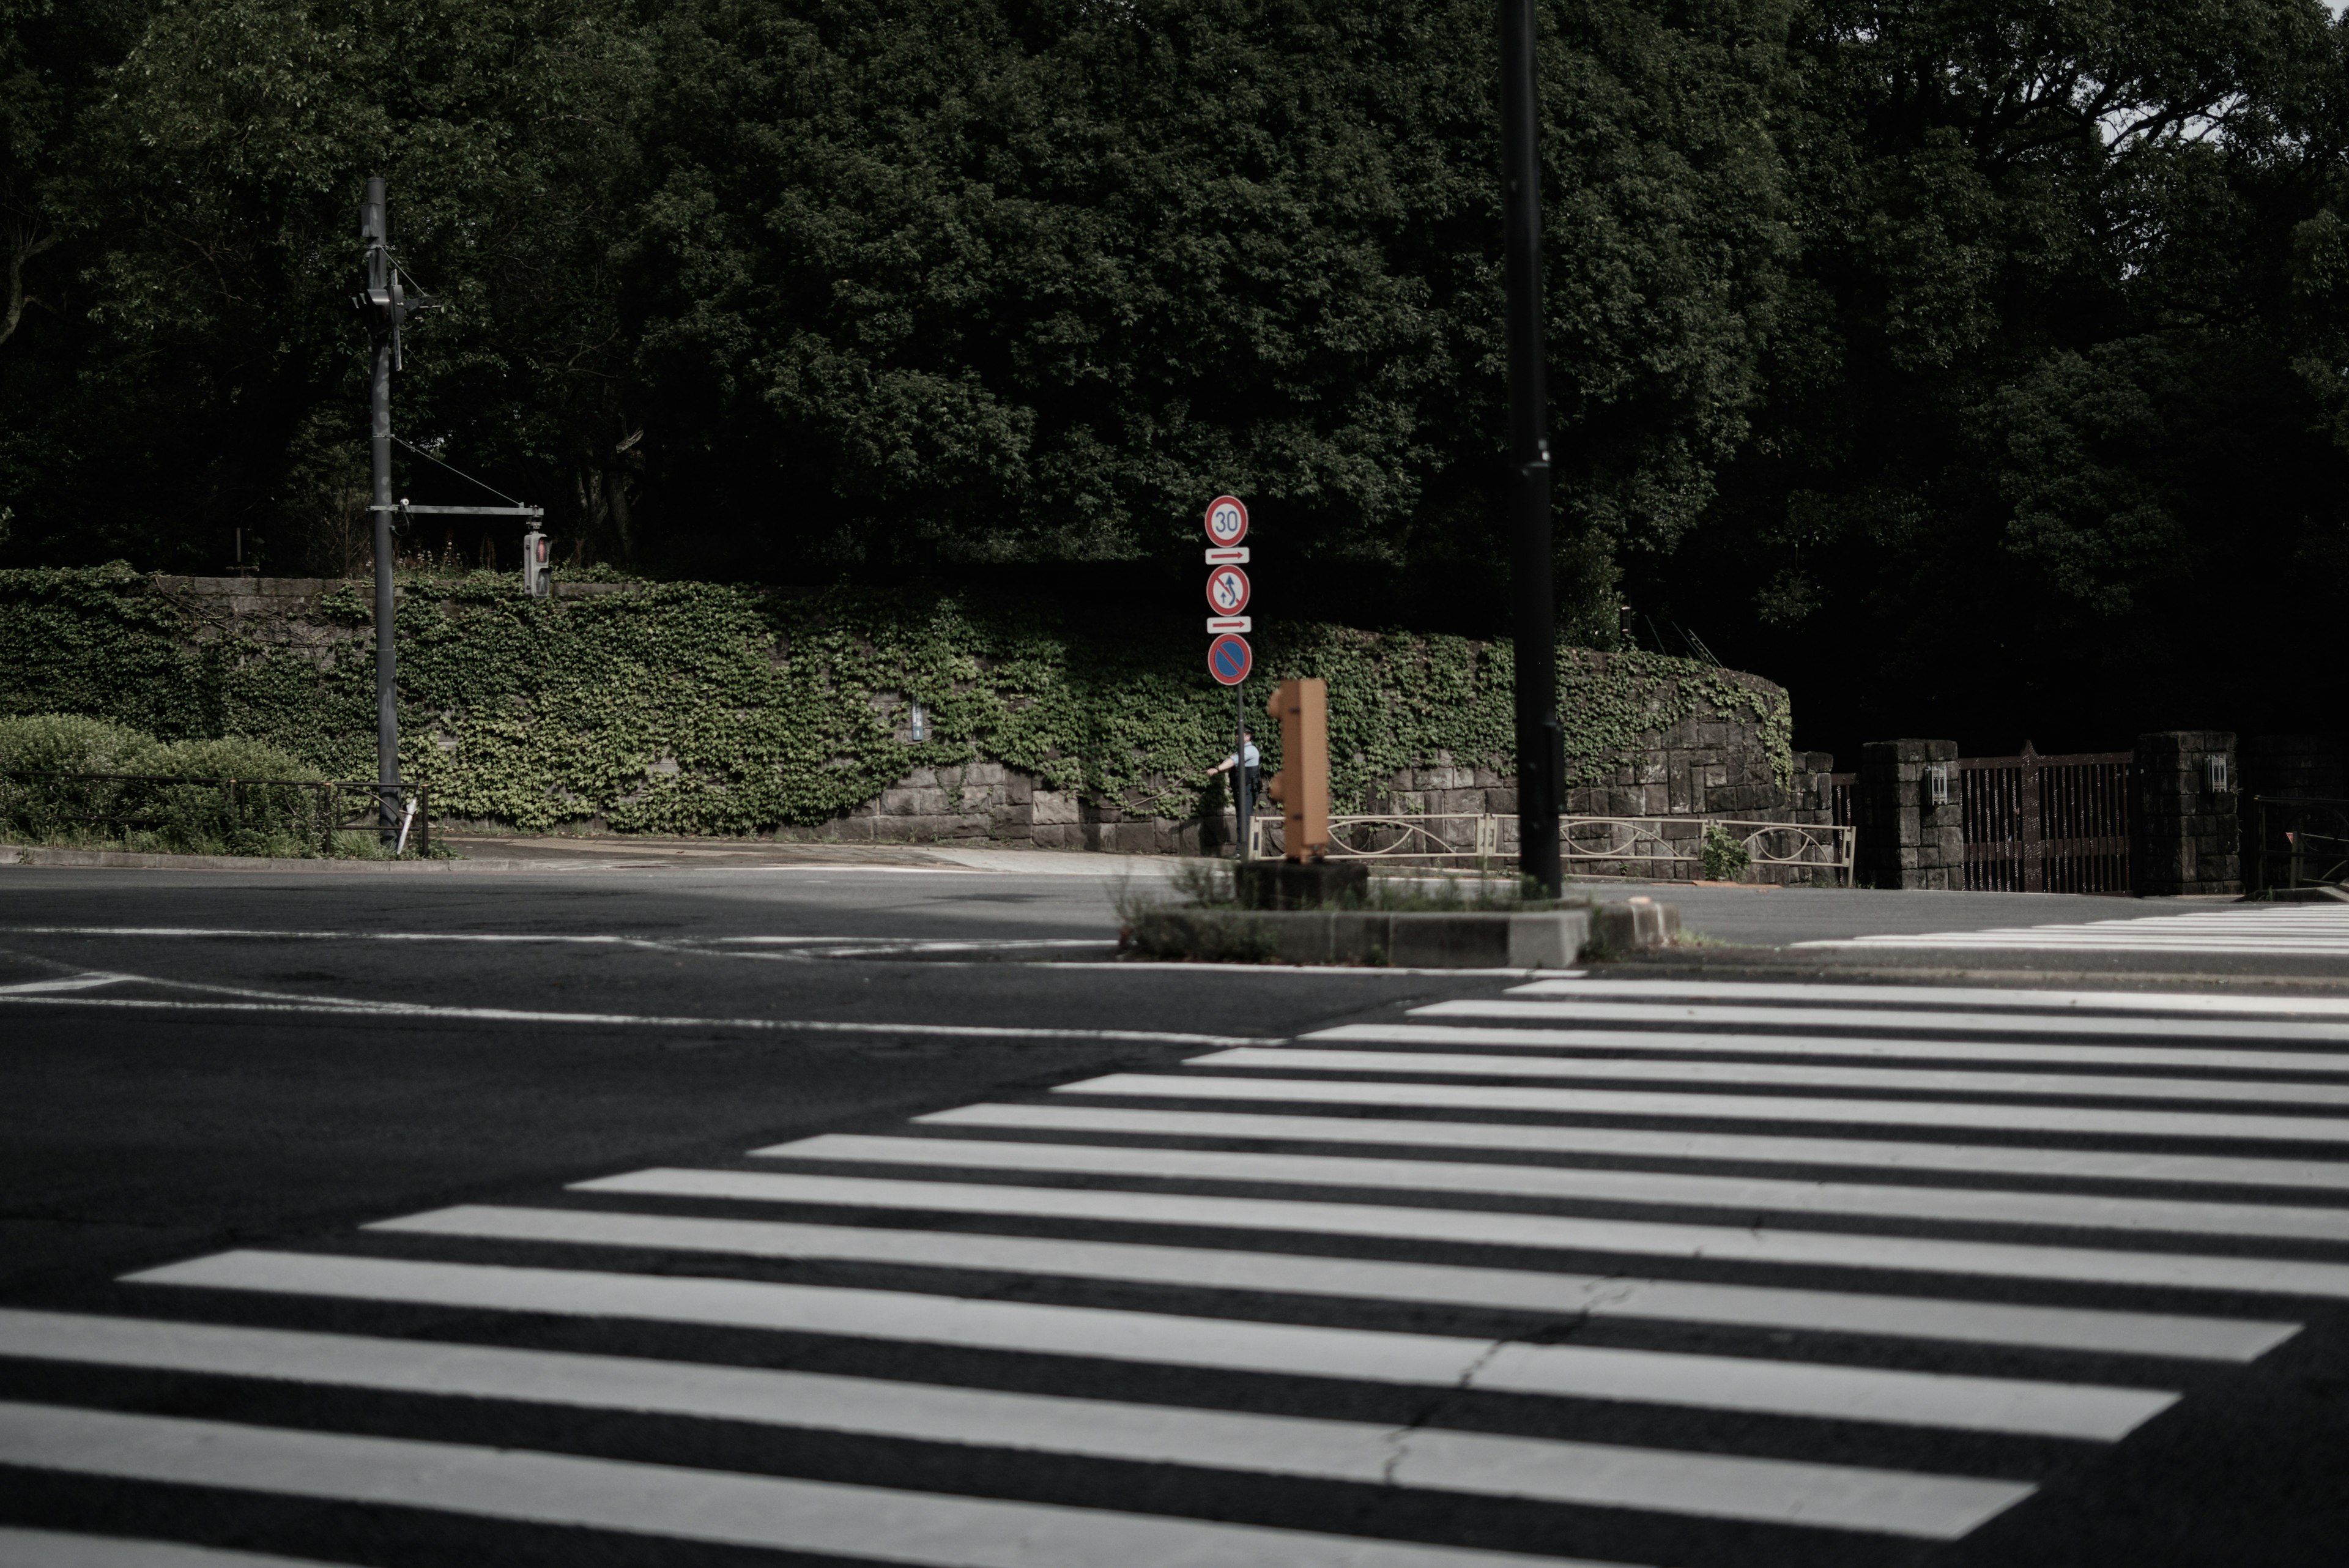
381,309
1242,805
1541,751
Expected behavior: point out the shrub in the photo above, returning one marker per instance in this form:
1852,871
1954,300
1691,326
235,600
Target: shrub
185,803
1725,855
69,743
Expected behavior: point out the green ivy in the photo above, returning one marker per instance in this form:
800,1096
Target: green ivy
699,707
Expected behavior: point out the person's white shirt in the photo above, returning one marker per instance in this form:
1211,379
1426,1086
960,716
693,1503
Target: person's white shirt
1251,759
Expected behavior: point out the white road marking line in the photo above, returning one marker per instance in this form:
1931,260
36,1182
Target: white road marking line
2080,1085
87,980
894,945
2005,1024
55,1549
2296,929
393,1011
545,939
2101,1165
1856,1046
773,941
1478,1227
2277,947
1528,1098
867,1522
1604,1475
1838,994
2084,1411
1275,971
240,933
1764,1195
1517,1290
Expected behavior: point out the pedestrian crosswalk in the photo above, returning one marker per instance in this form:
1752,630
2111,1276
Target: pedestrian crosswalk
2319,931
1587,1272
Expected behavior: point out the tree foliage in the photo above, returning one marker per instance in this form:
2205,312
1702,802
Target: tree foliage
1946,358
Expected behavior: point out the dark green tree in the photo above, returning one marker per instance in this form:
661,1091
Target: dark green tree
2046,433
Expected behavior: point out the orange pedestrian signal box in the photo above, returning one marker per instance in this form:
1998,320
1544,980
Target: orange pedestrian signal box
1302,784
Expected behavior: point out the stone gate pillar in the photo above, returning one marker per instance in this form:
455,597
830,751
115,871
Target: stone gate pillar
2183,833
1907,840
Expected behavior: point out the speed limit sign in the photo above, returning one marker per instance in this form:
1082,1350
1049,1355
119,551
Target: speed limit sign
1226,520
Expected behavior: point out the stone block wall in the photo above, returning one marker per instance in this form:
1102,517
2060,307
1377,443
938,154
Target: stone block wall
1704,765
2185,836
1810,798
1905,840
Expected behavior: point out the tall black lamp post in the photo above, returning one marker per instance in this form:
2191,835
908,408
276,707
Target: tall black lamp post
381,310
1541,751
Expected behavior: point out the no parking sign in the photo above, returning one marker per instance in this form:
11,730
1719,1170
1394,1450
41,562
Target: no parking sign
1229,659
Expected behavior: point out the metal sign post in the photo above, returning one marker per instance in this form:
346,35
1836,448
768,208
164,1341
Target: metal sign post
1541,760
1229,657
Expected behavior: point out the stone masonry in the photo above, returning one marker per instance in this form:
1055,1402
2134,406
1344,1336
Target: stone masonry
1905,840
2184,835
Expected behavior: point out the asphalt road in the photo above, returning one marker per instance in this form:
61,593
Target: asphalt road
584,1217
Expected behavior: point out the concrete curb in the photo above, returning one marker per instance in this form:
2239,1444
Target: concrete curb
1551,939
126,860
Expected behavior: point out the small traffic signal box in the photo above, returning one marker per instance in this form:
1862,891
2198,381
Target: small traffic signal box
537,565
1302,784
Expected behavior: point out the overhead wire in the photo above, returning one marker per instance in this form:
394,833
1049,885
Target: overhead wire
459,472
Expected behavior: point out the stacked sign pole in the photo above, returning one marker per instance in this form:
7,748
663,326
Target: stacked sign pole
1229,657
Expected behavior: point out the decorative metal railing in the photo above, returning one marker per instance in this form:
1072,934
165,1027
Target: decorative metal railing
1671,848
1653,848
2297,843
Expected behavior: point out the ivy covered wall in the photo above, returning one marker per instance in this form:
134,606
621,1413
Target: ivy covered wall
698,708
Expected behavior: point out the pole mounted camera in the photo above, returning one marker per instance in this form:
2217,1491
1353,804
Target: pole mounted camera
385,302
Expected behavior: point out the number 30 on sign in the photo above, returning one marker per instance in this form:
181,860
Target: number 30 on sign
1226,521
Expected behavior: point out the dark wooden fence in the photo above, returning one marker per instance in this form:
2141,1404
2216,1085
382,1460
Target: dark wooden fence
2045,823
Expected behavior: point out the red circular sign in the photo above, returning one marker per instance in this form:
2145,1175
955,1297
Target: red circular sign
1229,659
1226,521
1227,590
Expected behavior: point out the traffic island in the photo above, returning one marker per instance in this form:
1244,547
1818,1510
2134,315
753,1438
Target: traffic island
1473,938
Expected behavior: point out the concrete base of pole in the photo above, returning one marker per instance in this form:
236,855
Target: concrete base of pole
1300,884
1551,939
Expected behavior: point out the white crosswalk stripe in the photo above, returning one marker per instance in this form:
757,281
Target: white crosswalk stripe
1552,1294
1732,1488
663,1500
62,1549
2086,1204
2318,929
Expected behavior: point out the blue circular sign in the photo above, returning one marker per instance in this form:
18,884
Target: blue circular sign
1229,659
